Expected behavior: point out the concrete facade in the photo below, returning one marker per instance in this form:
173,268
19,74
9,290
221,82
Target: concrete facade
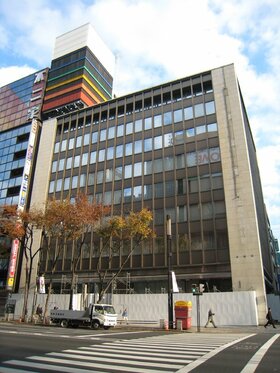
245,249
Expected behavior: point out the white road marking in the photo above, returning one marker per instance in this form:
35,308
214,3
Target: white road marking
210,354
255,360
97,365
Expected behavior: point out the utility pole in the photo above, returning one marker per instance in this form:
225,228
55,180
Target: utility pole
169,257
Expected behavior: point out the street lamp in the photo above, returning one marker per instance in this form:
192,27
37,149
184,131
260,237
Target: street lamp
169,256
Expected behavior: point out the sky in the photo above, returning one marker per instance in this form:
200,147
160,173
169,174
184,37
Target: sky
156,41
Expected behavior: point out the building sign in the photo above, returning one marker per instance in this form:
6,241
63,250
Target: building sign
41,285
27,166
12,265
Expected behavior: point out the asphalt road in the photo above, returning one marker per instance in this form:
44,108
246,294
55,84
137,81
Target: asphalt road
37,348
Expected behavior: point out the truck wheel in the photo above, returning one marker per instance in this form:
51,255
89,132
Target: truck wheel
106,327
64,323
95,324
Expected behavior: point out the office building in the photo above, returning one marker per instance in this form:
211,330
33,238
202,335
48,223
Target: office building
183,149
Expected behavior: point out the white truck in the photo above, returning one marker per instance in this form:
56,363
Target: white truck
95,316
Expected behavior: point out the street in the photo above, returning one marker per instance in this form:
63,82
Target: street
37,348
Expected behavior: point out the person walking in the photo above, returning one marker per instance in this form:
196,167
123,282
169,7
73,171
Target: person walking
210,319
125,316
269,318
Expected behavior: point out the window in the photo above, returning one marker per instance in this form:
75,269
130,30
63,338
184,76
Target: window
158,165
128,149
178,116
94,138
138,146
200,129
157,121
158,190
109,174
69,163
66,183
128,171
168,163
181,187
56,147
75,182
169,188
178,137
148,145
212,127
118,173
137,169
188,113
99,177
117,196
181,214
180,161
92,157
84,159
120,130
58,185
129,128
194,212
107,200
148,191
198,110
86,139
157,142
71,144
54,166
207,210
79,142
148,168
190,132
127,194
110,153
138,125
168,140
137,193
103,135
147,123
91,179
51,187
77,161
61,164
101,155
210,108
167,118
111,132
63,146
119,151
82,180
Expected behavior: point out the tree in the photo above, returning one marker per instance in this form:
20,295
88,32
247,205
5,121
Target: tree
116,233
16,224
65,222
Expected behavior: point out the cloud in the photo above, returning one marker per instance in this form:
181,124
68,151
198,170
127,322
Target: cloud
14,72
161,40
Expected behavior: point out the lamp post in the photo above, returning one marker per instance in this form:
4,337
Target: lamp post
169,256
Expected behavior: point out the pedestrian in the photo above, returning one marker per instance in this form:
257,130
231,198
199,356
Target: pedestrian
210,319
39,311
269,318
125,316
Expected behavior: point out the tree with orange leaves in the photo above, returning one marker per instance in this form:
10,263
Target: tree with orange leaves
64,222
15,224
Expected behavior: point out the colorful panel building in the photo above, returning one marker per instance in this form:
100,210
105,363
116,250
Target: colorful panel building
81,72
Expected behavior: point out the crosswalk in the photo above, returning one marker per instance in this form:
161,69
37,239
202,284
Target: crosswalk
159,354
